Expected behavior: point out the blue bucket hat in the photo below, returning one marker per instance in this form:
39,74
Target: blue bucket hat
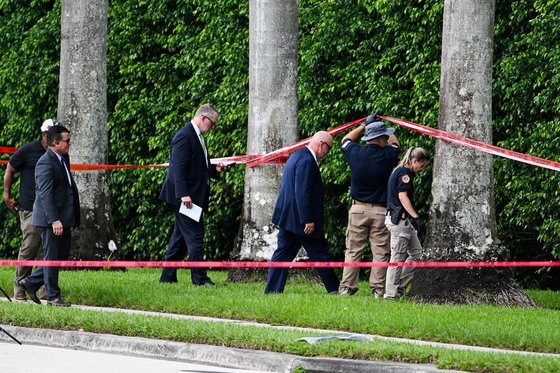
376,129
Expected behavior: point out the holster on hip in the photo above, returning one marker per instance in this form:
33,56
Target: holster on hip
395,212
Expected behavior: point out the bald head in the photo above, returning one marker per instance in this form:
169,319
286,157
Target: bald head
321,136
321,143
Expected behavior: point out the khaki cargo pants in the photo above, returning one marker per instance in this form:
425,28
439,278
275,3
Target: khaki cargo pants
405,247
366,222
30,247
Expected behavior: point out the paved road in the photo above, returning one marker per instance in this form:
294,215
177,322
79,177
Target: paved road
39,359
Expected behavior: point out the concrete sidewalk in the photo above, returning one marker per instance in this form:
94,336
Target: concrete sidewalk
262,361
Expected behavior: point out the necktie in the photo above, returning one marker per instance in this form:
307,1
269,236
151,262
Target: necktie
66,169
204,148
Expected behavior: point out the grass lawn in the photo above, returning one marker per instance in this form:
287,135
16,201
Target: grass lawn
303,304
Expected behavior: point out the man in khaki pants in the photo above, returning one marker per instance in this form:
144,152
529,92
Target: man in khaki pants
370,167
24,161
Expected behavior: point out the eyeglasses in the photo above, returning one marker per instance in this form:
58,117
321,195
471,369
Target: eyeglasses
67,141
327,144
211,121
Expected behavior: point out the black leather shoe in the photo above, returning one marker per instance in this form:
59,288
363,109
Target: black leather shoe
30,291
58,302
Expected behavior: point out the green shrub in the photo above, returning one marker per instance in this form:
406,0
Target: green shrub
167,58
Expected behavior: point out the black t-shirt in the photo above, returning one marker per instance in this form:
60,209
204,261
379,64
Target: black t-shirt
401,180
24,161
370,167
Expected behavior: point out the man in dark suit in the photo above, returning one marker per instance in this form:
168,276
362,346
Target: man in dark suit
56,211
187,183
299,213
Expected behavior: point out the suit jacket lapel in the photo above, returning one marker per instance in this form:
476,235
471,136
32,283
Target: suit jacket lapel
55,159
197,140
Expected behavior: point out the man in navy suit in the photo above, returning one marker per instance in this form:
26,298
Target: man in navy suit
188,182
299,213
56,211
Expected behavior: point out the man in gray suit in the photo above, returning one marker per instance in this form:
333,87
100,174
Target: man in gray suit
56,211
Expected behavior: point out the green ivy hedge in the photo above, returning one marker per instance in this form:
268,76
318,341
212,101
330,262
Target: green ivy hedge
166,58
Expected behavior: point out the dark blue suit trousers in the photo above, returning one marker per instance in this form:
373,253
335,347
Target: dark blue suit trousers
54,248
289,244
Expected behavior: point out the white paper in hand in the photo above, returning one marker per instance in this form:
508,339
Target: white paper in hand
194,212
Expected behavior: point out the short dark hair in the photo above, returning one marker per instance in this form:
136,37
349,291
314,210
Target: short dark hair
55,134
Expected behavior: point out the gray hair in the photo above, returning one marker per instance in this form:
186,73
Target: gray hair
207,110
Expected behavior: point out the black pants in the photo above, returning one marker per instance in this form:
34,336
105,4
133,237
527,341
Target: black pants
187,237
54,248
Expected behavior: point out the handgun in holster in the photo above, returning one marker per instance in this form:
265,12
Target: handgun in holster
397,213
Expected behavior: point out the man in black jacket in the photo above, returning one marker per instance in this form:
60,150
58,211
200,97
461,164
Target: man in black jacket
188,183
24,161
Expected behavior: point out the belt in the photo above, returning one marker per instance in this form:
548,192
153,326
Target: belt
403,215
356,202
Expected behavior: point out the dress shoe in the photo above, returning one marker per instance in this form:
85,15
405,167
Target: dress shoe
20,296
30,291
58,302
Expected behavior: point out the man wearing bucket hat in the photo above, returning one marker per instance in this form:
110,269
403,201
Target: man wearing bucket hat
24,161
370,168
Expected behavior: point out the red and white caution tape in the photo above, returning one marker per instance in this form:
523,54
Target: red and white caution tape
281,155
283,152
202,264
226,160
475,144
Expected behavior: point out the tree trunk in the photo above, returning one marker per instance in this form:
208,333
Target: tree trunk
82,108
273,56
462,225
